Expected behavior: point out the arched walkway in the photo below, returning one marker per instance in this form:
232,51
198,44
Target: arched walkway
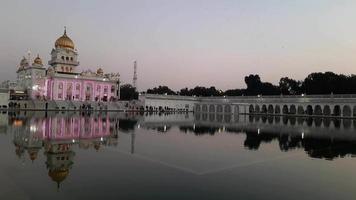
219,108
212,108
346,111
204,108
300,110
236,111
257,109
251,109
227,109
197,108
309,110
270,109
292,109
277,109
264,109
337,110
327,110
318,110
285,109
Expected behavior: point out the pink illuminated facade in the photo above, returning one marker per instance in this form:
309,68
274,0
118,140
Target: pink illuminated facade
61,81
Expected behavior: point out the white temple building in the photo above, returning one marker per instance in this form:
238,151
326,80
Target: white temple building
61,80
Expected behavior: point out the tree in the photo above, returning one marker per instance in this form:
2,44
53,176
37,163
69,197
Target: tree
128,92
161,90
290,86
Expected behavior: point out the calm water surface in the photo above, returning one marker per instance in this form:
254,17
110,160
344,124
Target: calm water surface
180,156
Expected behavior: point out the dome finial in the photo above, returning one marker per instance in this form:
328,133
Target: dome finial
65,30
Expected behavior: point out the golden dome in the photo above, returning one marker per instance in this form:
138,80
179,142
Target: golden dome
58,175
38,60
100,71
64,41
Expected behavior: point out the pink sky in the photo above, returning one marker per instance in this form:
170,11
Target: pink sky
184,43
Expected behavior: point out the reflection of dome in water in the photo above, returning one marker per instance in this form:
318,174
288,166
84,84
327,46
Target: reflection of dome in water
58,175
97,146
64,42
33,154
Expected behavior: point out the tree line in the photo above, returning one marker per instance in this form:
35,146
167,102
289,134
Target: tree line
314,83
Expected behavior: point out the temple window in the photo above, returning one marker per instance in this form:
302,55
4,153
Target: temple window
62,57
71,58
67,58
98,88
106,89
112,89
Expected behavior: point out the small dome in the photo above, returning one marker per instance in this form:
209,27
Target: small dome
100,71
23,62
38,60
64,41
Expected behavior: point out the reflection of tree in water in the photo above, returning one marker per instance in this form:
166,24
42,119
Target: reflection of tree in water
322,148
126,125
199,130
253,139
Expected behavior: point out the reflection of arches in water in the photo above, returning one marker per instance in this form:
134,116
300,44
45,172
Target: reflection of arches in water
300,121
318,110
285,109
346,111
197,108
285,120
211,117
212,108
219,108
300,110
346,123
354,123
250,118
251,109
327,110
309,110
227,109
270,109
337,123
270,119
219,118
197,117
264,118
354,111
292,120
204,108
277,119
277,109
204,116
257,118
326,122
257,109
227,118
309,121
337,110
318,121
292,109
264,109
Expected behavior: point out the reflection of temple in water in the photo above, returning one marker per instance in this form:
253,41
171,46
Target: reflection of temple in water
58,135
